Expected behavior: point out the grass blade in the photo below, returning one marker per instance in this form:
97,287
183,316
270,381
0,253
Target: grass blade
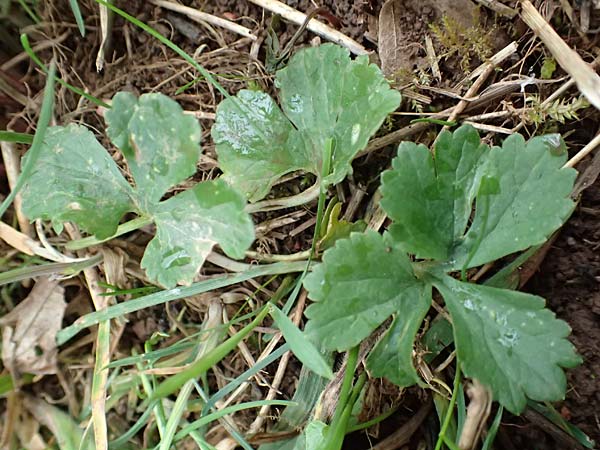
78,17
210,359
223,412
38,139
151,31
304,350
174,294
18,138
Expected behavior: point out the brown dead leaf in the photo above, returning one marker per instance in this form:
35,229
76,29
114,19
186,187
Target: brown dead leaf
28,337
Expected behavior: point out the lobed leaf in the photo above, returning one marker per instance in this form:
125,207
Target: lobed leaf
189,225
509,342
75,179
392,355
327,95
160,142
430,198
530,199
256,143
324,95
361,282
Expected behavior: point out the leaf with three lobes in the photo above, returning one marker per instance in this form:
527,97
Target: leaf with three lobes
76,180
509,342
530,202
392,356
361,282
430,198
189,225
324,95
160,142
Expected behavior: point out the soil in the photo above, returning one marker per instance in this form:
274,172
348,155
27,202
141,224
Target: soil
569,277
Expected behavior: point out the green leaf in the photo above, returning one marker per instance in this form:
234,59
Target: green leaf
326,96
392,356
530,199
189,225
315,432
430,199
256,143
75,179
303,349
509,342
161,142
361,282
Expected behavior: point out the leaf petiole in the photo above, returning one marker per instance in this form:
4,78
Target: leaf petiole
122,229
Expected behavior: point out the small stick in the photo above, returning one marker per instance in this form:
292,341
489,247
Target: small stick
588,81
292,15
12,165
498,7
199,16
584,152
488,128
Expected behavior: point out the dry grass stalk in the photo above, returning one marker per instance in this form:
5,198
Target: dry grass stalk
588,81
199,16
290,14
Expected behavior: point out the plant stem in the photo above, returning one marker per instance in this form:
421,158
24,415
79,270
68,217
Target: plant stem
337,429
302,198
126,227
448,417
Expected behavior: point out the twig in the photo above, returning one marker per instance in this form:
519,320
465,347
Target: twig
199,16
12,165
584,151
488,128
498,7
23,56
402,436
290,14
588,82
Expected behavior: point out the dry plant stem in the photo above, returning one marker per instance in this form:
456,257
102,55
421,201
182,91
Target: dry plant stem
488,128
12,164
290,14
22,242
21,57
402,436
477,415
260,379
588,82
104,33
495,60
102,357
590,147
460,107
198,16
266,352
310,194
498,7
279,374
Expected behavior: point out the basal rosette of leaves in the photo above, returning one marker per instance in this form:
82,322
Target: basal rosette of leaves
75,179
507,340
323,95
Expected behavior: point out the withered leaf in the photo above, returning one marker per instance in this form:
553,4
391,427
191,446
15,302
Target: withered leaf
29,330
